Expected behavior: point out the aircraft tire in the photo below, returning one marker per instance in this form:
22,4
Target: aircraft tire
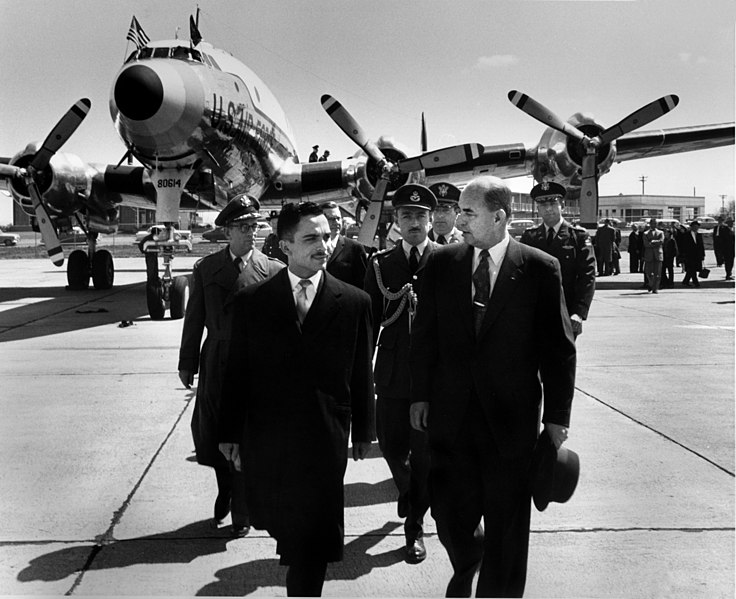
103,270
179,297
155,300
77,270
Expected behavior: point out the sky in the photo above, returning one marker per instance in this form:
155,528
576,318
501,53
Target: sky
387,62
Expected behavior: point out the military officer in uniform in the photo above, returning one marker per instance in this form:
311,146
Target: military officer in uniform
443,219
393,282
570,245
216,279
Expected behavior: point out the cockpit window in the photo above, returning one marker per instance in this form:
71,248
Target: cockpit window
214,63
178,52
161,52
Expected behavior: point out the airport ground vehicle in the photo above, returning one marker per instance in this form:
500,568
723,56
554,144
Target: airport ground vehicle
218,234
517,227
9,238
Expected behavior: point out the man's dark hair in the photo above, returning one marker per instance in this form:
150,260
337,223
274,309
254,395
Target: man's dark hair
329,206
290,216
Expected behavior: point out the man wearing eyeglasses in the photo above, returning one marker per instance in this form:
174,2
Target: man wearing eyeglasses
215,280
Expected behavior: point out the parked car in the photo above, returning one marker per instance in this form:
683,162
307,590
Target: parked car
517,227
707,223
217,234
9,238
157,229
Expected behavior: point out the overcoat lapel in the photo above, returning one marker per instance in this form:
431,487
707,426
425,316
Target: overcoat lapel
506,281
324,307
339,247
462,289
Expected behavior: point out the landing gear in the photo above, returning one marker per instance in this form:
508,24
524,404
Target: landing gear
165,290
103,270
93,263
77,270
179,295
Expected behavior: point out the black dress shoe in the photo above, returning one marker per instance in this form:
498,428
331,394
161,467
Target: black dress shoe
415,551
238,531
402,506
222,506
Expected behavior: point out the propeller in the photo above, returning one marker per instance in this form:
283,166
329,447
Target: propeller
388,169
589,184
54,140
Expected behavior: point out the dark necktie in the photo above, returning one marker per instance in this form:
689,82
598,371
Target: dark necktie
482,283
441,240
550,236
413,259
238,262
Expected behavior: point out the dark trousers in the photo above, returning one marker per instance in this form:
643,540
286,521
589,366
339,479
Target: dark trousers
406,452
633,262
668,272
692,268
305,578
231,492
728,263
471,481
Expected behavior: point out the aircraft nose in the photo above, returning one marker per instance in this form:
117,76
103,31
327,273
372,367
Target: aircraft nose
139,93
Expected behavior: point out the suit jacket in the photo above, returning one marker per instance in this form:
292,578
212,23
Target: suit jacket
348,261
391,372
572,247
455,236
634,241
289,396
653,240
605,238
526,333
215,281
692,250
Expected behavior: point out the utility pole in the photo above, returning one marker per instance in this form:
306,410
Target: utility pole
723,208
642,179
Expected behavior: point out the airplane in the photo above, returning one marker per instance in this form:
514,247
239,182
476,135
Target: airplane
205,128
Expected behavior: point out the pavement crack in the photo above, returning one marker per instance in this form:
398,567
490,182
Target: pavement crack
660,433
107,538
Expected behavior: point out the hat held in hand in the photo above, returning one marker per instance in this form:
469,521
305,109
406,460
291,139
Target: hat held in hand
553,473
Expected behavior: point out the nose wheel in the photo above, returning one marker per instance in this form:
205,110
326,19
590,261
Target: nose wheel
165,291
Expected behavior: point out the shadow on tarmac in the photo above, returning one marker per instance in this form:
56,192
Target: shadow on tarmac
249,577
176,546
78,304
199,539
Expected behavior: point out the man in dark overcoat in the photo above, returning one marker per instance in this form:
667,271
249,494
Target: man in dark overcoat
605,239
393,281
298,374
570,245
692,249
633,249
348,259
491,332
215,280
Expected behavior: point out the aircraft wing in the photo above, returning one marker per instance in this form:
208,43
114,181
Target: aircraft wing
648,144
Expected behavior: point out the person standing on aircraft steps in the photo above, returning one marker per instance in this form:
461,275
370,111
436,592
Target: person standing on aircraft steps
393,281
325,156
571,245
314,156
298,383
216,279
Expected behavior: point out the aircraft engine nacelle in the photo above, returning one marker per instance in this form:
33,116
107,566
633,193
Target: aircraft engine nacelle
560,158
62,183
335,179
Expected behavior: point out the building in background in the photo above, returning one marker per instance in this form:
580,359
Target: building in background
631,208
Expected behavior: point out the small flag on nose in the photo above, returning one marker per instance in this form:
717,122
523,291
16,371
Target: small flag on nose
136,34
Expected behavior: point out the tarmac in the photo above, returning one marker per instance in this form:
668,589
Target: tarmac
100,494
